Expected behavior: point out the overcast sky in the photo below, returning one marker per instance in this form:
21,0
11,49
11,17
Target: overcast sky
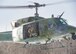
8,15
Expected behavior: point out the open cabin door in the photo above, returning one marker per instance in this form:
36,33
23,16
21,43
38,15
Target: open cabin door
30,30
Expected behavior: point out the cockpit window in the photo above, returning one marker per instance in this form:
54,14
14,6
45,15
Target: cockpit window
63,21
60,21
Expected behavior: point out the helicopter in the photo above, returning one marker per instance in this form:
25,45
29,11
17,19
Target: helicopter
39,29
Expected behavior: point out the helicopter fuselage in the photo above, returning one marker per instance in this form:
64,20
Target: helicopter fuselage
44,28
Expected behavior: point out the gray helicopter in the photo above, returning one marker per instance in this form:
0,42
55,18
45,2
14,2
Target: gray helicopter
39,29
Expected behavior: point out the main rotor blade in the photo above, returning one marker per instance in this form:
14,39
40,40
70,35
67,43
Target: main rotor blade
36,5
61,2
12,7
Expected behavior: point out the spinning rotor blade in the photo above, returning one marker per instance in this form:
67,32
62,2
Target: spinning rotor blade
29,6
13,7
61,2
35,5
6,7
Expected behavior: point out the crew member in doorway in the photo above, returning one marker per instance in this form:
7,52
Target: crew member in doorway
30,31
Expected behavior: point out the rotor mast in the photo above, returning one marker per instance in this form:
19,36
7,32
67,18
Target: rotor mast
36,8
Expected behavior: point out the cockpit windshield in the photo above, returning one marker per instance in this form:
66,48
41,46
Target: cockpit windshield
63,21
60,21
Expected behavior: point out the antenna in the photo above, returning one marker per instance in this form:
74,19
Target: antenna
61,15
